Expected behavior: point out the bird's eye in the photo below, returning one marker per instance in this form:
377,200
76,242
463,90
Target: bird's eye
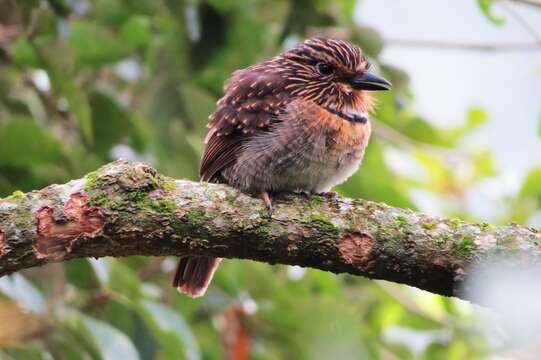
324,68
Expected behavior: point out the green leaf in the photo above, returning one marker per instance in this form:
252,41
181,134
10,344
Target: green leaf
6,187
24,7
17,288
26,352
386,111
68,349
484,166
486,8
109,341
440,175
60,7
122,279
120,315
80,273
95,46
44,23
420,129
111,12
136,31
476,118
16,150
61,73
113,124
531,188
198,105
78,103
172,332
101,269
347,9
23,53
242,48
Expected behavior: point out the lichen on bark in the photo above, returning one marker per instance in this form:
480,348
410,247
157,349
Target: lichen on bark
129,208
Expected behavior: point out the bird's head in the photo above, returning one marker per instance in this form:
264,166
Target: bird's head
332,73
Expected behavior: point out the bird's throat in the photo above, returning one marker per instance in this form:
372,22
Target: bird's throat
348,116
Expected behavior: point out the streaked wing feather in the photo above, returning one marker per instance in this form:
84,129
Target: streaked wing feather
252,102
220,153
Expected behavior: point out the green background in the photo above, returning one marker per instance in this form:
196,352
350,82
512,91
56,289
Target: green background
83,82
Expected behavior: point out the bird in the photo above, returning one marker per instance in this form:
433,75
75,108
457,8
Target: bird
297,122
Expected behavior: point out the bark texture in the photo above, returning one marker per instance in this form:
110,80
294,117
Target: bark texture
127,208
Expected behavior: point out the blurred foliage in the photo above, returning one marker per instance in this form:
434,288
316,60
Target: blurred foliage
83,82
486,8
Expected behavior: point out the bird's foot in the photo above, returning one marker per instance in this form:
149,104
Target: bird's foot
328,194
268,203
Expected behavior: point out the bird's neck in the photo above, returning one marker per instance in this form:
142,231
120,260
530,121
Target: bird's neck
349,115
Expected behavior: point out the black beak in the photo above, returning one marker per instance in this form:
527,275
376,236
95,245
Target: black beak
369,81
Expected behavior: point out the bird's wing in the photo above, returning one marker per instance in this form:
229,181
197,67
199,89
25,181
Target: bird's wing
252,102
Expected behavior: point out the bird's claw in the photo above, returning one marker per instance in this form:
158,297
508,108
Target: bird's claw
268,203
328,194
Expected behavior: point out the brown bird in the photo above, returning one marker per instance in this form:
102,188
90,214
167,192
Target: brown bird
295,122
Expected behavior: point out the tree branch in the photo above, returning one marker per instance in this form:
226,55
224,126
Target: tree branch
129,209
522,22
535,3
452,45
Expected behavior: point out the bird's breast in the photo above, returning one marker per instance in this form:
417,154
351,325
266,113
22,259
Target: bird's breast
342,135
309,149
345,143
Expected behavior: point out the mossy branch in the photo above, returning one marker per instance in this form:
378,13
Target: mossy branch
127,208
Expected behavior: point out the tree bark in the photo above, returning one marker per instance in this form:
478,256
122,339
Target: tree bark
127,208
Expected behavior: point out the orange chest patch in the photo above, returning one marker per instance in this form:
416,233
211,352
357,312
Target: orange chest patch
343,133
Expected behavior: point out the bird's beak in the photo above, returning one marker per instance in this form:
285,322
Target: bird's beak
369,81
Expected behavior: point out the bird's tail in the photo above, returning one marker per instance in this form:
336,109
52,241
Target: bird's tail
194,273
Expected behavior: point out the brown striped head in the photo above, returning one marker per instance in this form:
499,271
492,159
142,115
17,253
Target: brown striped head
332,73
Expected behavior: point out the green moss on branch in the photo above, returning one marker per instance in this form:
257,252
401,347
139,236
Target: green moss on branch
128,208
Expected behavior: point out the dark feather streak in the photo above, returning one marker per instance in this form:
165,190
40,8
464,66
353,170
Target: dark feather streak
255,97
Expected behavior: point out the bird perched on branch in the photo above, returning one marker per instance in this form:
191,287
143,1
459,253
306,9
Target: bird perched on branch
295,122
